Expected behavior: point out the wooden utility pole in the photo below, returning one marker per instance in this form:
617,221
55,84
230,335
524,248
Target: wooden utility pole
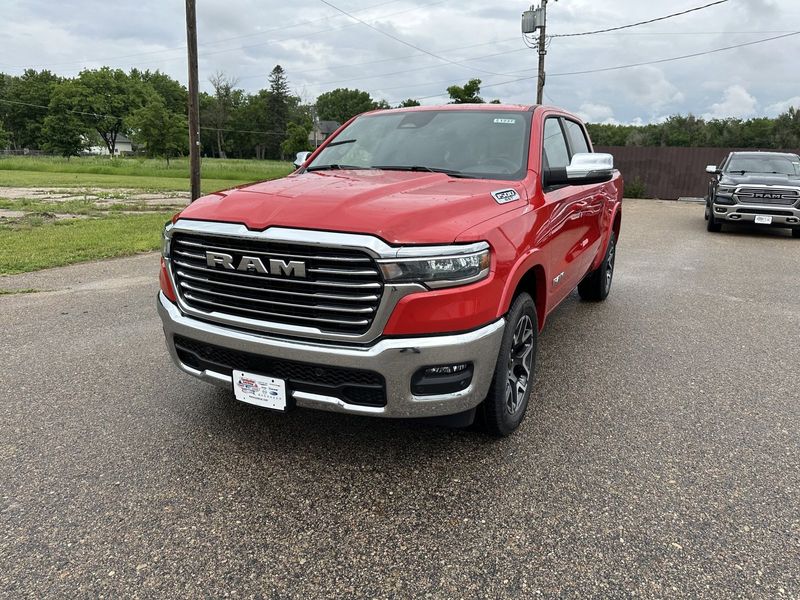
194,101
542,52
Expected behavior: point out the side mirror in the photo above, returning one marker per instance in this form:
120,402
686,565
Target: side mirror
712,169
586,168
301,158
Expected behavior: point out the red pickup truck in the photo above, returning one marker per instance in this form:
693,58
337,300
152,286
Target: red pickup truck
404,270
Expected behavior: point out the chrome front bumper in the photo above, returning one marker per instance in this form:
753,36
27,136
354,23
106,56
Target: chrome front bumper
782,216
396,359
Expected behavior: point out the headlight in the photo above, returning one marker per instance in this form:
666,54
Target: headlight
726,190
165,239
438,266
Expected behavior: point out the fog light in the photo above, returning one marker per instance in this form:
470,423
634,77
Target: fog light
441,379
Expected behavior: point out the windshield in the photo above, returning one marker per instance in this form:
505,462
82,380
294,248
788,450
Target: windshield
462,143
782,165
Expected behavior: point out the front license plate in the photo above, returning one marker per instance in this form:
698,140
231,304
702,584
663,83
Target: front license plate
763,220
260,390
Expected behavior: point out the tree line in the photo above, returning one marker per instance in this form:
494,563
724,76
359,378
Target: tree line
782,132
41,111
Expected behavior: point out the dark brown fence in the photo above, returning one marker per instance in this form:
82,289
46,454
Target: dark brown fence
667,172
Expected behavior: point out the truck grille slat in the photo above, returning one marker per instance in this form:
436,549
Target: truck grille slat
332,290
274,280
234,308
368,310
312,295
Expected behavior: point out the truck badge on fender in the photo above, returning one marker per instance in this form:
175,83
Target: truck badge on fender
505,196
253,264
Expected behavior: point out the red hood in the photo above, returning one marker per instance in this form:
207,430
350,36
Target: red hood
398,206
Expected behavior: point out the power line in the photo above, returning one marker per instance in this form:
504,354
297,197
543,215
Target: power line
404,42
615,68
213,42
677,14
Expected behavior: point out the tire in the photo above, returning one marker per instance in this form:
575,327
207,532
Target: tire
712,224
504,407
796,232
596,286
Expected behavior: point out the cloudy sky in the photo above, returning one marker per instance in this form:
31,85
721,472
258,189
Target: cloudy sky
322,49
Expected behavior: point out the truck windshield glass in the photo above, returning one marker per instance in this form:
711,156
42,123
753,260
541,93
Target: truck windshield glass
461,143
782,165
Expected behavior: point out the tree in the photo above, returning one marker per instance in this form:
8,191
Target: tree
24,119
467,94
407,103
342,104
296,140
5,137
63,131
106,98
220,109
381,105
175,95
162,132
277,101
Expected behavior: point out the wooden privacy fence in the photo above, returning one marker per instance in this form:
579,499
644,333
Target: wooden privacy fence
669,172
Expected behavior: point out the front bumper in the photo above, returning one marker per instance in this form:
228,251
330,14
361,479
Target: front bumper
782,216
396,359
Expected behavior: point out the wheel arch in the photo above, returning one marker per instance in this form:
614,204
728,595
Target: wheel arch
530,277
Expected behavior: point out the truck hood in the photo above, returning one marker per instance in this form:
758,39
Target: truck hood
400,207
760,179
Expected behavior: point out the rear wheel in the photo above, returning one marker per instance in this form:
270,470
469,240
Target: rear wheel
796,232
597,284
505,405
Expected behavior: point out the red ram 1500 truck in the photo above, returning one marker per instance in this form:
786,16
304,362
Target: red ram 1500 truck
404,270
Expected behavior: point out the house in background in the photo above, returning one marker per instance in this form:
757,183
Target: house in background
322,130
123,146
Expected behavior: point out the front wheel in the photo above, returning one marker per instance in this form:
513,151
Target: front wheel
711,221
505,405
796,232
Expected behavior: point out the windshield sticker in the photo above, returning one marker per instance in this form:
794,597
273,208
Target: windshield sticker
505,121
505,196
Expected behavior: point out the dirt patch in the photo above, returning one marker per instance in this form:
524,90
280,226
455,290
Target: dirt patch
101,197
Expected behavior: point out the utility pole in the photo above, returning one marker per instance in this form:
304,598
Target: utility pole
194,101
535,19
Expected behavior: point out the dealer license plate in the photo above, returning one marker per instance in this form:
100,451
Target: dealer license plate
763,220
267,392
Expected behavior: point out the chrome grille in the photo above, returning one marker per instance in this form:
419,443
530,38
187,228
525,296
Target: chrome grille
771,196
340,293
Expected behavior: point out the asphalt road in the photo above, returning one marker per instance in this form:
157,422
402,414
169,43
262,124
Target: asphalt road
661,457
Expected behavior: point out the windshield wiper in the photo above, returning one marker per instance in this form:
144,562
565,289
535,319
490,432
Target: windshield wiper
422,168
340,143
333,166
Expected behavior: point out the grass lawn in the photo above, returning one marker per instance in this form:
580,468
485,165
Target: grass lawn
137,173
38,244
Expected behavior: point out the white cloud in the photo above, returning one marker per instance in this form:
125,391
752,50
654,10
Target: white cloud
778,108
736,102
596,113
648,88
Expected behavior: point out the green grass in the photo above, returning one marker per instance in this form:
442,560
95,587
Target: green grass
138,173
45,244
19,291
